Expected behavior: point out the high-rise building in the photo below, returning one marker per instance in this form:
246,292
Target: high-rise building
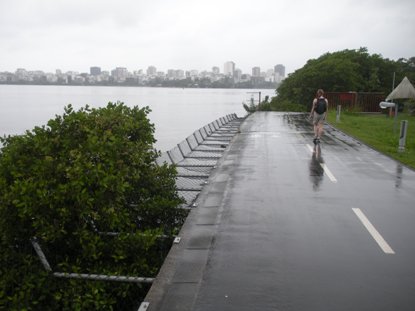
151,71
179,73
174,74
119,74
171,73
256,72
270,76
280,69
95,71
215,70
229,68
279,73
237,75
193,74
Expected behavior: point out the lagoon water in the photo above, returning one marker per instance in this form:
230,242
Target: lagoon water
176,112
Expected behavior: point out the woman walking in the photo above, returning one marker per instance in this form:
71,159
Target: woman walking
318,113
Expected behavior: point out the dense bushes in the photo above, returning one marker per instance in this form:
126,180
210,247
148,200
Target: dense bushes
343,71
275,105
86,173
286,105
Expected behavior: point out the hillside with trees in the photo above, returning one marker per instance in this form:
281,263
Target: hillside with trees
343,71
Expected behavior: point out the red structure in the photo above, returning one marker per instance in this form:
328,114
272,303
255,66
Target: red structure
355,101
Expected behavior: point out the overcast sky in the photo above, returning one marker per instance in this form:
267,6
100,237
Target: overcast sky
197,34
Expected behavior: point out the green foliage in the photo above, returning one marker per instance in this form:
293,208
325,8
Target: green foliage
347,70
277,104
86,172
265,106
410,105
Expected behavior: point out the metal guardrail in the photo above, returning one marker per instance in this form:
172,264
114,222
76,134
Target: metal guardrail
96,277
196,156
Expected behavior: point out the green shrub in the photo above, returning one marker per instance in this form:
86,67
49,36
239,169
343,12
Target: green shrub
265,106
86,172
410,106
286,105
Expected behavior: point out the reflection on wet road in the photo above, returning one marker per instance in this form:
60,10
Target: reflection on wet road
288,226
316,170
288,241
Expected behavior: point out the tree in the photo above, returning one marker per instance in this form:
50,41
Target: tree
347,70
86,173
405,68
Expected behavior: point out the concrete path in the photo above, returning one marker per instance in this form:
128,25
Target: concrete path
285,226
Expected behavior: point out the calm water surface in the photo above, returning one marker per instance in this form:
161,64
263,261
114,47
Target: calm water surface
176,113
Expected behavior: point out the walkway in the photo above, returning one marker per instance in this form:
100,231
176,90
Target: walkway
283,226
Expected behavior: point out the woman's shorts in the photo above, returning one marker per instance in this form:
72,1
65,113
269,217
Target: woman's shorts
318,118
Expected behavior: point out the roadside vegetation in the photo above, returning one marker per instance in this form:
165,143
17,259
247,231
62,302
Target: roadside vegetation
342,71
275,105
379,131
87,189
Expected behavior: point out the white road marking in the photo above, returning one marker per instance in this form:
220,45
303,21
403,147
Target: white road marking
324,166
373,232
328,173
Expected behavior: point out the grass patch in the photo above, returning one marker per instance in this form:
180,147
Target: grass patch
377,131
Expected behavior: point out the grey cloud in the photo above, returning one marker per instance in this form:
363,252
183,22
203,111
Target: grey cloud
197,33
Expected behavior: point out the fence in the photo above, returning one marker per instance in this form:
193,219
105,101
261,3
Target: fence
355,101
197,155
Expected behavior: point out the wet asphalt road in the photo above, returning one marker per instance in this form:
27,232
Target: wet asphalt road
291,235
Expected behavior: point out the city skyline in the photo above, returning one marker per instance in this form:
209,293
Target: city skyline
231,76
214,69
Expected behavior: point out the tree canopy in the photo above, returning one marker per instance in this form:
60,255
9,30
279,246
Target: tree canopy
87,187
343,71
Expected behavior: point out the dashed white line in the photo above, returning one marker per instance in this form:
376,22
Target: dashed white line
373,232
325,168
328,173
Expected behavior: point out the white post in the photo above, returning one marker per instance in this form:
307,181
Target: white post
395,121
338,112
402,136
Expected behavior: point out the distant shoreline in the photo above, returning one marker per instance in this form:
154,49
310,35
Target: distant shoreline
153,86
